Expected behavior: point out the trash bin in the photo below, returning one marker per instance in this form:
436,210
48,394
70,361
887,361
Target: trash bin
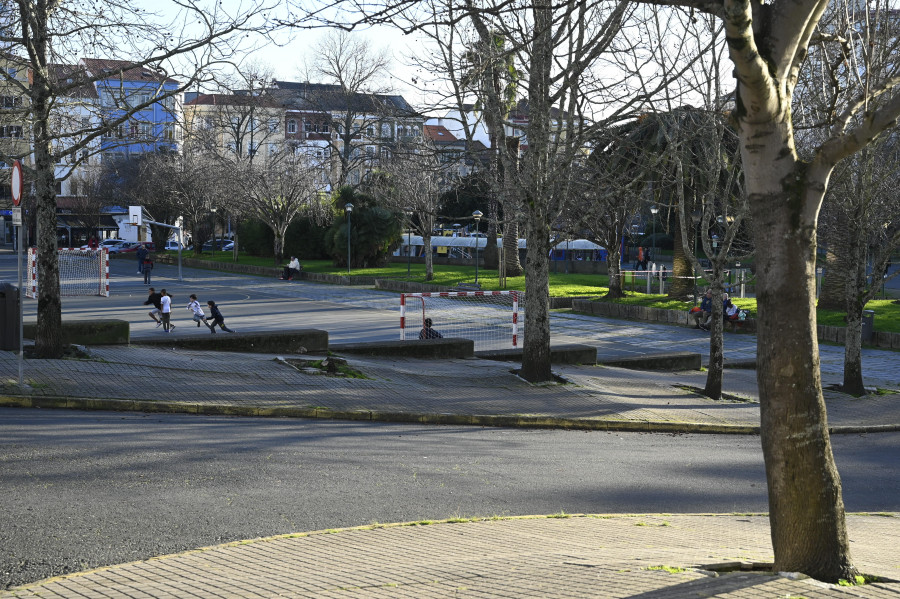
868,325
9,316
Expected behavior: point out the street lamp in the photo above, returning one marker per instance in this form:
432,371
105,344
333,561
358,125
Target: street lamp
653,210
409,214
477,216
349,208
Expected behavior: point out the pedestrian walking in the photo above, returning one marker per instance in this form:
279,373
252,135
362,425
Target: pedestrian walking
148,269
154,299
216,315
141,254
165,303
194,306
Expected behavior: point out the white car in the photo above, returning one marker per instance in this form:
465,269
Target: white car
106,243
173,246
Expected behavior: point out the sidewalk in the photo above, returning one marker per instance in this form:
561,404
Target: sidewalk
546,557
636,556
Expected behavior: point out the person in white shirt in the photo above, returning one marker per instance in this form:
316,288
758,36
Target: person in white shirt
165,310
291,270
199,316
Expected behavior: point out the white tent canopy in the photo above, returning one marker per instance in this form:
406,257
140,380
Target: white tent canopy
577,244
454,242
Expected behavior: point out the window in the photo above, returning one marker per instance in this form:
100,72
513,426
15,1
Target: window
11,131
324,128
273,125
169,132
11,71
145,98
309,126
370,151
292,126
11,102
144,129
386,130
370,130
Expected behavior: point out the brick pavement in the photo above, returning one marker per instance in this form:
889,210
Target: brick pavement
636,556
541,557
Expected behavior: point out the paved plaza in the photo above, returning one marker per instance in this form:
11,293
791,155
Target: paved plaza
578,556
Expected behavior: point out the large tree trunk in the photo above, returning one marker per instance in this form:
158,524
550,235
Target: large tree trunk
48,337
806,509
536,347
491,255
682,279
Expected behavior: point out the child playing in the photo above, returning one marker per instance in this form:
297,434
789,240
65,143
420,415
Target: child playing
216,317
199,317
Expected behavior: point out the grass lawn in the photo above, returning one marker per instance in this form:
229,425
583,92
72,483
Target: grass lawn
887,313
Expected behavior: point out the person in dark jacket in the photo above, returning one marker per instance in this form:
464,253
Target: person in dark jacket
142,254
154,300
216,316
705,314
428,333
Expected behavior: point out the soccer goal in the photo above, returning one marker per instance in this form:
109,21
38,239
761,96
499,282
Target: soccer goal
81,272
489,318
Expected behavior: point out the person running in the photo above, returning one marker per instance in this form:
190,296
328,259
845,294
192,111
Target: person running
154,300
165,310
199,317
216,315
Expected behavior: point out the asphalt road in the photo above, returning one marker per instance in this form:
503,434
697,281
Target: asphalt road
79,490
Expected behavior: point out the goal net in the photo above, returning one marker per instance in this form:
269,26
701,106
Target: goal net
489,318
81,272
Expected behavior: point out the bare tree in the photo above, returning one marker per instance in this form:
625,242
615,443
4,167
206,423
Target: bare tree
768,42
410,182
351,112
281,187
41,34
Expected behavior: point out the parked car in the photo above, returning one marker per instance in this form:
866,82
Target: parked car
173,246
222,245
106,243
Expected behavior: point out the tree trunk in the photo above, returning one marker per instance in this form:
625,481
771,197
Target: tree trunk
682,285
429,257
511,249
853,377
536,347
491,255
713,388
48,337
806,509
833,295
613,268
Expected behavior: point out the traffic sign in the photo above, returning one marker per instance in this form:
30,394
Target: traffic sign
17,183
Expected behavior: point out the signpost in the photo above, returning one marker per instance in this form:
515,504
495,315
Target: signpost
18,185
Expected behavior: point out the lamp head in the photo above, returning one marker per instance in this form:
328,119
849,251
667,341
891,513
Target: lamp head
477,215
348,207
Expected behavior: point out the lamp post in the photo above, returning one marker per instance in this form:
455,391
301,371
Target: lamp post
653,210
477,216
349,208
409,214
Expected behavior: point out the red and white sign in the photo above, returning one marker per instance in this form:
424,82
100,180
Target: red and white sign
17,183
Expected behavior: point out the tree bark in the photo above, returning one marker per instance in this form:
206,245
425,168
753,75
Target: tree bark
682,279
713,388
853,376
48,336
832,296
429,258
806,509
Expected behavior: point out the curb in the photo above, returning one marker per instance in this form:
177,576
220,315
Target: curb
492,420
